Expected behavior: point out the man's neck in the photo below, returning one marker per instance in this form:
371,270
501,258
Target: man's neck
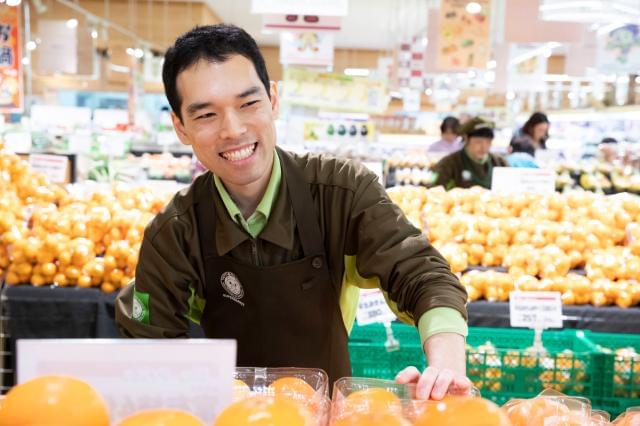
247,197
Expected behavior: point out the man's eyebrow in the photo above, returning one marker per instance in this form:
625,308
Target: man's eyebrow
194,107
249,92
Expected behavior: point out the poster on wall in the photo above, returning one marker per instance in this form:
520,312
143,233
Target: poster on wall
333,91
463,41
306,48
619,50
10,60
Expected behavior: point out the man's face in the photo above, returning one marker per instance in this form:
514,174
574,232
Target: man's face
449,136
478,148
228,119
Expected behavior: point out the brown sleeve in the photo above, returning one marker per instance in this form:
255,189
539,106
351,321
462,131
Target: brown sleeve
386,245
163,276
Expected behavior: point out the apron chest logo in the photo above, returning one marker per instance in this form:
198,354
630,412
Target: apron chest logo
232,286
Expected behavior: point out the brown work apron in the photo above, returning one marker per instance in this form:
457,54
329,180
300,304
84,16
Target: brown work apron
285,315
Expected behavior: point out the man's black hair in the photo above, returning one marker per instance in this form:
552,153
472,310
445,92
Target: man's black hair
450,124
213,43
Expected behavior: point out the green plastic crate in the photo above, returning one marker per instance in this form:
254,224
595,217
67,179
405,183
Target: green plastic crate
621,384
508,370
370,357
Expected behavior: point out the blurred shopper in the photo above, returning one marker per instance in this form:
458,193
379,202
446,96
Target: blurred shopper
521,154
473,165
536,129
450,139
608,149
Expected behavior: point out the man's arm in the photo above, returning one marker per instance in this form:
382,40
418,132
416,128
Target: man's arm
411,272
157,304
446,372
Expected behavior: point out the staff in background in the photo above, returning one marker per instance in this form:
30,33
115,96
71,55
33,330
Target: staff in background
473,165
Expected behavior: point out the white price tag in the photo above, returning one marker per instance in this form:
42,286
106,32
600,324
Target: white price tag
372,308
535,309
132,375
516,180
54,167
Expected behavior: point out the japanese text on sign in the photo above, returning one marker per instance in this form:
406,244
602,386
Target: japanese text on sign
535,309
373,308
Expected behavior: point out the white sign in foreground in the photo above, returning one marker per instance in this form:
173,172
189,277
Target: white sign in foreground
518,180
133,375
372,308
535,309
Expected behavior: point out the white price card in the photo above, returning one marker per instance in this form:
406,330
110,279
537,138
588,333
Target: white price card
535,309
372,308
54,167
518,180
136,374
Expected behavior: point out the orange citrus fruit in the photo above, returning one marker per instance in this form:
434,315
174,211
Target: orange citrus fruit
372,400
371,419
161,417
52,401
264,411
467,411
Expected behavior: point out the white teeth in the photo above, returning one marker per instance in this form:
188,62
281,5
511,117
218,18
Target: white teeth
239,154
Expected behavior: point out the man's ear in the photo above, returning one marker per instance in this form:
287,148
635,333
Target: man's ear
275,102
179,128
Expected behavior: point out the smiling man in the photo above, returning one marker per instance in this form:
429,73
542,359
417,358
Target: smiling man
271,248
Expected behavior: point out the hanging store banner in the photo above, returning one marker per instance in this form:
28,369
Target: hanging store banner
10,60
619,50
300,23
306,7
306,48
334,91
463,40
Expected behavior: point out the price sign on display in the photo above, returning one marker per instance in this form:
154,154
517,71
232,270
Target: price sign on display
516,180
372,308
535,309
53,167
133,375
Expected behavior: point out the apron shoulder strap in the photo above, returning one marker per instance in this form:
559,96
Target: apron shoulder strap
206,217
303,206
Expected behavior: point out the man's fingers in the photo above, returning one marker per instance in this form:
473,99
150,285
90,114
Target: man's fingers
408,375
426,382
441,385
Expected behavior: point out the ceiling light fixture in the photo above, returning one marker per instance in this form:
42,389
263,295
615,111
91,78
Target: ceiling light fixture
473,8
31,45
72,23
356,72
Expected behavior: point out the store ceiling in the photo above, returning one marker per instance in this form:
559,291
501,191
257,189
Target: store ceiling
370,24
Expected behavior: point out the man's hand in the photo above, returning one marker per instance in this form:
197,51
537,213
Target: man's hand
446,371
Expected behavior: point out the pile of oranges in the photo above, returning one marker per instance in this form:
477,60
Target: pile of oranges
58,400
537,239
50,236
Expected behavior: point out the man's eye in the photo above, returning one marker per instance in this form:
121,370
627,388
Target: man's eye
248,104
207,115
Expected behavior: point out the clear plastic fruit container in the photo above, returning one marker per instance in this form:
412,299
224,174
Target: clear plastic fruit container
355,395
307,386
